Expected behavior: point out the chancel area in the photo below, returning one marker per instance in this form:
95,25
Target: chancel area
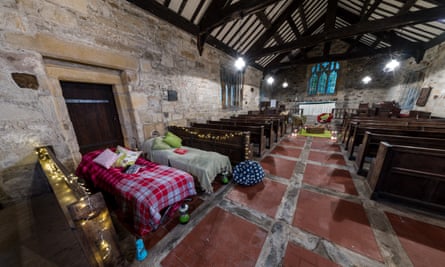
222,133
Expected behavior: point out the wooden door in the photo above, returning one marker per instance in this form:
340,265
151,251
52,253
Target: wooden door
93,113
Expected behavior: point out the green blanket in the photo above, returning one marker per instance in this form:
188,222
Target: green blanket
326,134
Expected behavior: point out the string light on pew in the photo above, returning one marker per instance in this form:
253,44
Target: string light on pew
209,136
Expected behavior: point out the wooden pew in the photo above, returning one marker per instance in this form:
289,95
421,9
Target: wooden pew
268,128
256,133
275,124
371,141
359,133
426,125
281,119
351,122
414,176
234,144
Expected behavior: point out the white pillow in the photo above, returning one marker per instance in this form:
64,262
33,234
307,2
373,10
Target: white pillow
106,159
126,157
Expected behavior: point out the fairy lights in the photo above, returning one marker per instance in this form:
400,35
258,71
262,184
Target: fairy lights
210,136
221,138
71,193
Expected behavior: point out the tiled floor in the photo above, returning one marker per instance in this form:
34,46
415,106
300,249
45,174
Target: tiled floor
310,210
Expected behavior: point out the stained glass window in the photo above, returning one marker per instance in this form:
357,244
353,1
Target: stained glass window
323,78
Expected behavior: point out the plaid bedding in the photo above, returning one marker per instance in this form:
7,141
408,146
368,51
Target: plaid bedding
150,190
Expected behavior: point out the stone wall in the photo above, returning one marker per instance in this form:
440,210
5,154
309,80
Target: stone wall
433,66
110,42
350,90
385,86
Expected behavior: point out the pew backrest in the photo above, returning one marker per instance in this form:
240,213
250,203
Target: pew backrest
414,176
371,142
234,144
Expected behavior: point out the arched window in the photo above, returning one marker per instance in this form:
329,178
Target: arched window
323,78
231,88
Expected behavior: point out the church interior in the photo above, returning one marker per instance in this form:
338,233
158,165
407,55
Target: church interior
222,133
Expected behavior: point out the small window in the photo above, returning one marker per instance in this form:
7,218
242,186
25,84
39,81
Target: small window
323,78
231,88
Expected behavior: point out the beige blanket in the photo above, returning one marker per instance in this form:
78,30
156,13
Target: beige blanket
204,165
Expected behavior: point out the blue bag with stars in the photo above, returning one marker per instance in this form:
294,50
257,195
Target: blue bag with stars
248,173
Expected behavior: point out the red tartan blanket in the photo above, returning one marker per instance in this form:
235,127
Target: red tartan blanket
151,189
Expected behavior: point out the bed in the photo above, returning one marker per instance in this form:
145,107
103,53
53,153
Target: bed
204,165
153,188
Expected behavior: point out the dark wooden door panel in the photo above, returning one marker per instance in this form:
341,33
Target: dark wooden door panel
93,114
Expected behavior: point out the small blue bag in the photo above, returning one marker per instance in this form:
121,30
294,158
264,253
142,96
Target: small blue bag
248,173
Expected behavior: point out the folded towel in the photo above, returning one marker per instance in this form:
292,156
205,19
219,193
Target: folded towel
180,151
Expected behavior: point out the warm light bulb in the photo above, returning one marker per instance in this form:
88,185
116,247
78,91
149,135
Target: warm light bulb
285,85
240,63
392,65
270,80
366,79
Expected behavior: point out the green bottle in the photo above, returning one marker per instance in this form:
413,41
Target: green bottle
184,217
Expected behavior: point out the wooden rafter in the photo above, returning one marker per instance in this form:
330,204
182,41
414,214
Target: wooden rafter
167,14
331,15
181,7
275,26
303,52
405,8
372,8
364,8
387,36
221,12
380,25
303,18
439,39
337,57
293,27
197,10
266,23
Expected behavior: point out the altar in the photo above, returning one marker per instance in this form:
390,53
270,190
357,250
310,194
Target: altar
316,108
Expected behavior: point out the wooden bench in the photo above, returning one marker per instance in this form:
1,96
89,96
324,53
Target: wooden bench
371,141
348,130
426,125
359,133
268,128
275,124
234,144
281,119
352,122
414,176
257,136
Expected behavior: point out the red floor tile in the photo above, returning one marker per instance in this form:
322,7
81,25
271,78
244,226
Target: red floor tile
340,221
299,257
326,146
332,178
424,243
154,237
220,239
293,141
264,197
321,139
286,151
327,158
278,166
